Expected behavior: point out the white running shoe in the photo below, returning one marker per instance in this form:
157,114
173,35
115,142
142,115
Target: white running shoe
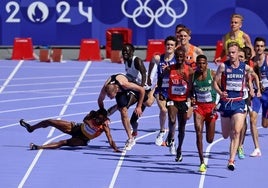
130,143
172,148
160,138
256,153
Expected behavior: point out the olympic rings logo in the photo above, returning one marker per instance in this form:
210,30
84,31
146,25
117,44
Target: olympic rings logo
154,16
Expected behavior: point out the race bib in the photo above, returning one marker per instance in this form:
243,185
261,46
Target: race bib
178,90
204,97
234,85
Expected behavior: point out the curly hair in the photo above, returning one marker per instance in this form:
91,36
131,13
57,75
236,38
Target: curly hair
99,116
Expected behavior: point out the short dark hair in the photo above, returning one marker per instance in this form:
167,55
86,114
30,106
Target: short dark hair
130,46
173,38
201,56
180,26
246,49
257,39
179,49
102,111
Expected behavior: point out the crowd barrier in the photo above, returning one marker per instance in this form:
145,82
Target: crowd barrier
90,50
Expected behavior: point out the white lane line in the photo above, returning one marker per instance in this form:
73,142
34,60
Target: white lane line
27,174
203,175
11,76
117,169
52,129
48,97
59,76
71,95
47,106
53,82
40,119
121,160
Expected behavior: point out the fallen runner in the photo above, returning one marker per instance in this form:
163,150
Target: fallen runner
94,124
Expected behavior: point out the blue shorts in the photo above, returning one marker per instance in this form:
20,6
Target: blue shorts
255,104
230,107
264,103
163,91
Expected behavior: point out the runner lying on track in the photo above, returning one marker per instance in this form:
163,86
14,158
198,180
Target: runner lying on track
94,124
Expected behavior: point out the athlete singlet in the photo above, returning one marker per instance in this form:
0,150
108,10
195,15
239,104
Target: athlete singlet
91,131
114,81
165,77
132,73
178,83
239,39
233,80
264,73
203,89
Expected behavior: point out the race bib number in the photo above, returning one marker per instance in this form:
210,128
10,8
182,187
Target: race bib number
204,97
178,90
234,85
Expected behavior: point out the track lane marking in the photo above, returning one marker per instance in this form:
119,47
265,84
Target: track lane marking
68,101
11,76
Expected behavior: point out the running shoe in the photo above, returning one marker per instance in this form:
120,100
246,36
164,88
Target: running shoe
130,143
26,125
172,148
202,168
240,152
256,153
231,165
33,146
168,142
159,139
179,157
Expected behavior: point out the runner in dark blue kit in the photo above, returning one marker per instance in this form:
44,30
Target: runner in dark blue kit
229,83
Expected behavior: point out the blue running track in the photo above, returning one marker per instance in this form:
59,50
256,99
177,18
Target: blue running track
35,91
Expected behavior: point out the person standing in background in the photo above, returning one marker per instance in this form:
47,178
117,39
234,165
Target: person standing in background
235,35
177,33
191,50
